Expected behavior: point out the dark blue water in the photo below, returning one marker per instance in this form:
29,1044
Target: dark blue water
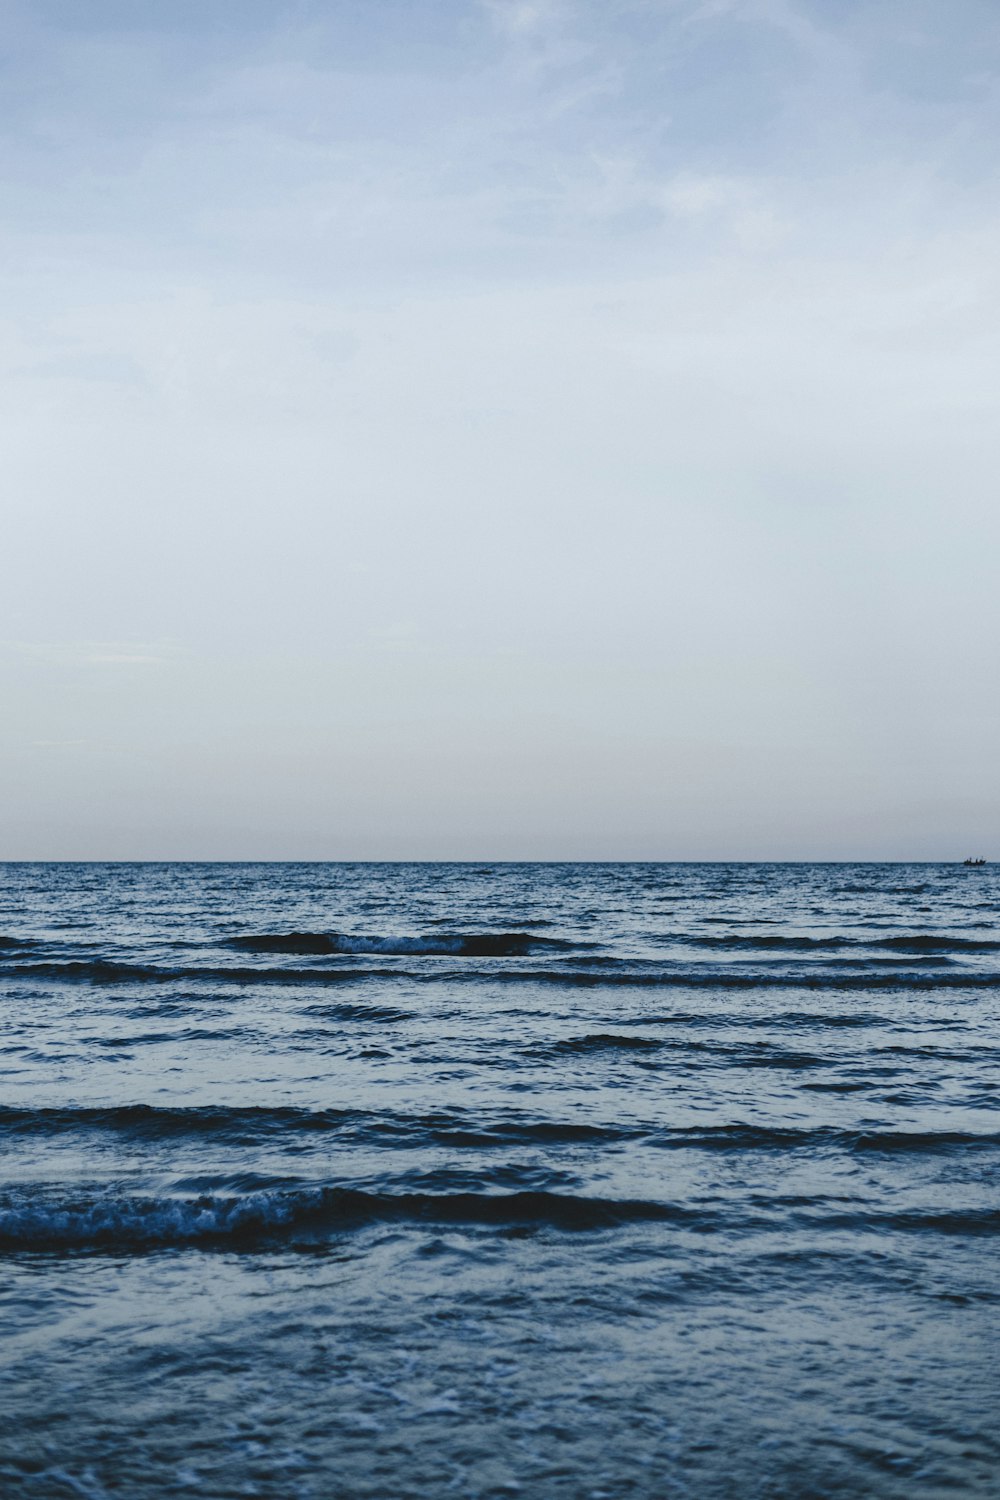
540,1180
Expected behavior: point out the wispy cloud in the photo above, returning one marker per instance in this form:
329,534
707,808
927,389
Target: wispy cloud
95,653
526,17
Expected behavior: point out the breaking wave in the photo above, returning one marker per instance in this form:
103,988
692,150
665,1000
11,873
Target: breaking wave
134,1223
469,945
305,1217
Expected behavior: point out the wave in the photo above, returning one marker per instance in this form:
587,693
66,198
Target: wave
745,1137
305,1217
758,940
286,942
133,1223
345,1011
923,1141
807,978
252,1124
588,973
717,1020
783,942
603,1042
961,1222
523,922
813,1019
255,1124
106,971
469,945
927,942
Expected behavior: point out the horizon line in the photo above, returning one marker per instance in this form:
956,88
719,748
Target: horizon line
484,860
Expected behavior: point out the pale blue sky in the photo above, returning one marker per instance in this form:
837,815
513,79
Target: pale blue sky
533,428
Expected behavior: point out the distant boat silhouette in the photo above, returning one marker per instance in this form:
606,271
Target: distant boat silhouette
973,863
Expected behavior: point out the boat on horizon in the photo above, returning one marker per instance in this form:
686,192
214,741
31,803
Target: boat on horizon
974,864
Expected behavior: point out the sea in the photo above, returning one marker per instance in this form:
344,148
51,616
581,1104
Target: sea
585,1181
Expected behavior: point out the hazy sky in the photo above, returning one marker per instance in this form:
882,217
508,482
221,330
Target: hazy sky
500,428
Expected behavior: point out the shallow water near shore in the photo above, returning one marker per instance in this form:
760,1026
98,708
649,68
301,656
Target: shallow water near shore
552,1180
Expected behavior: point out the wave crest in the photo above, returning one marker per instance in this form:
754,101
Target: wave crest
131,1224
445,944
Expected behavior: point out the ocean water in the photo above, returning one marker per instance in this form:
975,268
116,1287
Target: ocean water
542,1180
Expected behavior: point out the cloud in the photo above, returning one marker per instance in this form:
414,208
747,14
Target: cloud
93,653
519,18
123,659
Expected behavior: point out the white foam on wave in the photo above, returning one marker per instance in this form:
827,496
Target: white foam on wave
136,1222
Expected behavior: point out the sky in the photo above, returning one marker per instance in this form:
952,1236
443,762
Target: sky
509,429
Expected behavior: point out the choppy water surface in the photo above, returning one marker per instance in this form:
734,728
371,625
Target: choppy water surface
552,1180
